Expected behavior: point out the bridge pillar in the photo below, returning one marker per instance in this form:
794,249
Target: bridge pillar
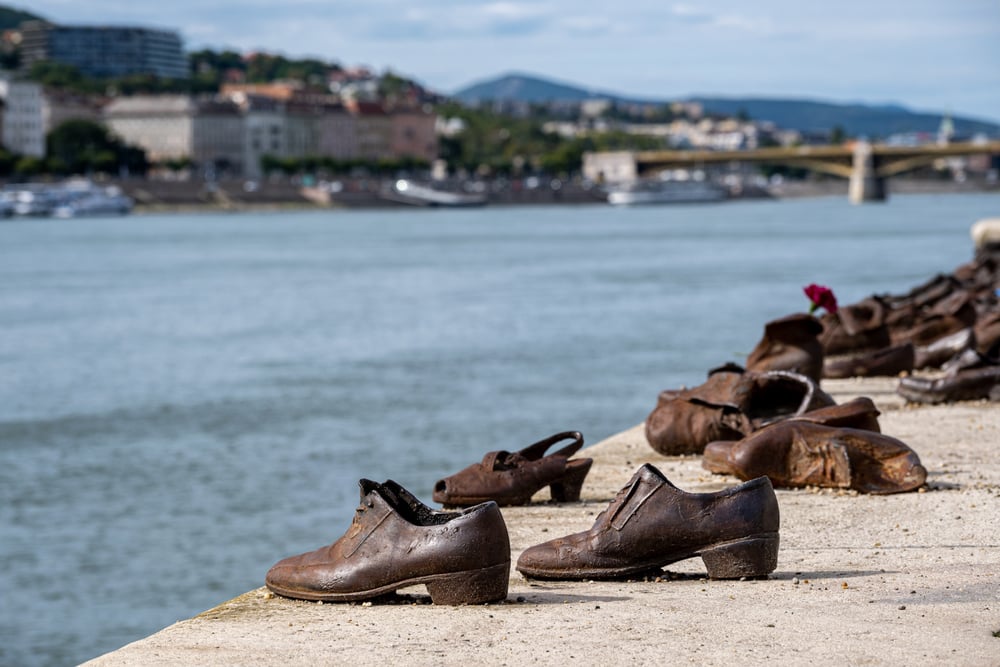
865,184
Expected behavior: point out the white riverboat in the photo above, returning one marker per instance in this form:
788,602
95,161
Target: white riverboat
666,192
89,199
405,191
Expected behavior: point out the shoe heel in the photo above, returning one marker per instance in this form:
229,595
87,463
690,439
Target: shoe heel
471,586
567,488
752,557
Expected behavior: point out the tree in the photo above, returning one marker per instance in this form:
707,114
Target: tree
80,146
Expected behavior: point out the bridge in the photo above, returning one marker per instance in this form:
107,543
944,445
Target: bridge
866,165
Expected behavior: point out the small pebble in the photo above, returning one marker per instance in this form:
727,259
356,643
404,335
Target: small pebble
902,606
795,580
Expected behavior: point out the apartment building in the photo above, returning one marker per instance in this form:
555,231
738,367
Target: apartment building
414,134
209,131
105,51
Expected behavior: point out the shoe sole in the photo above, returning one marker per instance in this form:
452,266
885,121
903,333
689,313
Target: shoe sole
488,584
754,556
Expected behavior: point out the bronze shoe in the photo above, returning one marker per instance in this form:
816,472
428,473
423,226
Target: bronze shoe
796,453
859,327
790,344
651,523
513,478
732,403
964,385
859,413
888,361
396,541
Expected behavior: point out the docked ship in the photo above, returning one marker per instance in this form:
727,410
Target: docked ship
666,192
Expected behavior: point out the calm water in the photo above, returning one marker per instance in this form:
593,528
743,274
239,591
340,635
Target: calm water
186,399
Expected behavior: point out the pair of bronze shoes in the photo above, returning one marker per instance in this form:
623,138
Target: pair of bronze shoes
463,557
839,446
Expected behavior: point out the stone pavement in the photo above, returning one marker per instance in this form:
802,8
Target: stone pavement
907,579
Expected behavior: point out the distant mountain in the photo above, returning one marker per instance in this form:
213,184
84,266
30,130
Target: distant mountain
874,121
11,18
525,88
856,119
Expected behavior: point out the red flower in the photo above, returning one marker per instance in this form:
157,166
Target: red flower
820,297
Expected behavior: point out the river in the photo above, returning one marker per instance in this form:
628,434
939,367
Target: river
186,399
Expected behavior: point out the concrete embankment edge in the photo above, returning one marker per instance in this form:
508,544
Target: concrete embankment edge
877,580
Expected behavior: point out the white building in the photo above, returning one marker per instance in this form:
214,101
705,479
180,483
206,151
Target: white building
23,126
31,111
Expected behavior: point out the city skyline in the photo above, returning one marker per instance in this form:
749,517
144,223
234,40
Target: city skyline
925,55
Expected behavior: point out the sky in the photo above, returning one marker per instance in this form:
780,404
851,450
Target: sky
927,55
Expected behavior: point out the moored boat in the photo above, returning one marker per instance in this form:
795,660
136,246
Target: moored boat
406,191
666,192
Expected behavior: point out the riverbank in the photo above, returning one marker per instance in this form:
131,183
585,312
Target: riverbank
881,580
238,196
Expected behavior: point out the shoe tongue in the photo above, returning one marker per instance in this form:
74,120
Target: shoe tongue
649,473
646,480
645,475
367,486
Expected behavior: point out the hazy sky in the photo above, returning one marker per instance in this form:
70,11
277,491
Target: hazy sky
932,55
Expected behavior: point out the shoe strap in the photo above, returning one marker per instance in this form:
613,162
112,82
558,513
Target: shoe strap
535,451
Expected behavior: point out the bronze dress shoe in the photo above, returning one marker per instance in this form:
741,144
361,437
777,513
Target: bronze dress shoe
651,523
396,541
797,453
512,478
790,344
730,404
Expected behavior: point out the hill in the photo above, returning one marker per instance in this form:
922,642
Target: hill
874,121
11,18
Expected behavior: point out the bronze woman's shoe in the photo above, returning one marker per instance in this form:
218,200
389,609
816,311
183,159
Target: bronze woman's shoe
651,523
396,541
513,478
790,344
796,453
729,405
